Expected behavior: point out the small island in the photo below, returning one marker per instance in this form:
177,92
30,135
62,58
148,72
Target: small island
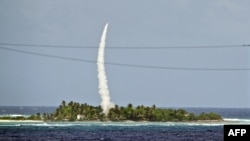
74,111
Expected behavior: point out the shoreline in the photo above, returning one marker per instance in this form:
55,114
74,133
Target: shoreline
205,122
125,121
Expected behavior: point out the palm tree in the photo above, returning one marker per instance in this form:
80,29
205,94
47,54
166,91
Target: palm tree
130,106
63,103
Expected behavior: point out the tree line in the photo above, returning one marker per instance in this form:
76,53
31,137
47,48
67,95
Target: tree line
74,111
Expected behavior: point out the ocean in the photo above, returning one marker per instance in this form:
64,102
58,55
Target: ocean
113,131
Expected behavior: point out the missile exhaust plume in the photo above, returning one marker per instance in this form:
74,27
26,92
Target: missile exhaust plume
106,104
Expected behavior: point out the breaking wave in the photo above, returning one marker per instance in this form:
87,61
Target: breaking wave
123,124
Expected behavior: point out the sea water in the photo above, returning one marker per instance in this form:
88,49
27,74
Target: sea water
122,131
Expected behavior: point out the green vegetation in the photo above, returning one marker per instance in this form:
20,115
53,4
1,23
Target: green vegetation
83,112
74,111
13,118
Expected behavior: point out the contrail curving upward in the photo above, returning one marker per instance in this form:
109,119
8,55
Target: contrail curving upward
106,104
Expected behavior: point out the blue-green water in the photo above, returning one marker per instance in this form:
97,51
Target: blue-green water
110,131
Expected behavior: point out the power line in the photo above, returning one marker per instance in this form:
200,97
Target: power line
47,55
127,65
128,47
48,46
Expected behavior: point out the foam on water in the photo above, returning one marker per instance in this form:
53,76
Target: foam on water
123,124
237,121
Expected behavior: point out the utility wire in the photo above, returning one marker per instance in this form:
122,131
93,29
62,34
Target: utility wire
47,55
49,46
127,65
127,47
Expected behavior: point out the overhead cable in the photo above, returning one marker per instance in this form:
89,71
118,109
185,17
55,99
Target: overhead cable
129,47
127,65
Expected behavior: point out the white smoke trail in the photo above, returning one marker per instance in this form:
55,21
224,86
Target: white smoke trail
106,104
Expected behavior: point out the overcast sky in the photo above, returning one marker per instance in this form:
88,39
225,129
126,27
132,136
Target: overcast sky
35,80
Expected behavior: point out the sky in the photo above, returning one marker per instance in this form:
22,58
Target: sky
210,34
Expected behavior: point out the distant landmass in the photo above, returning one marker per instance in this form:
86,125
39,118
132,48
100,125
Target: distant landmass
74,111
